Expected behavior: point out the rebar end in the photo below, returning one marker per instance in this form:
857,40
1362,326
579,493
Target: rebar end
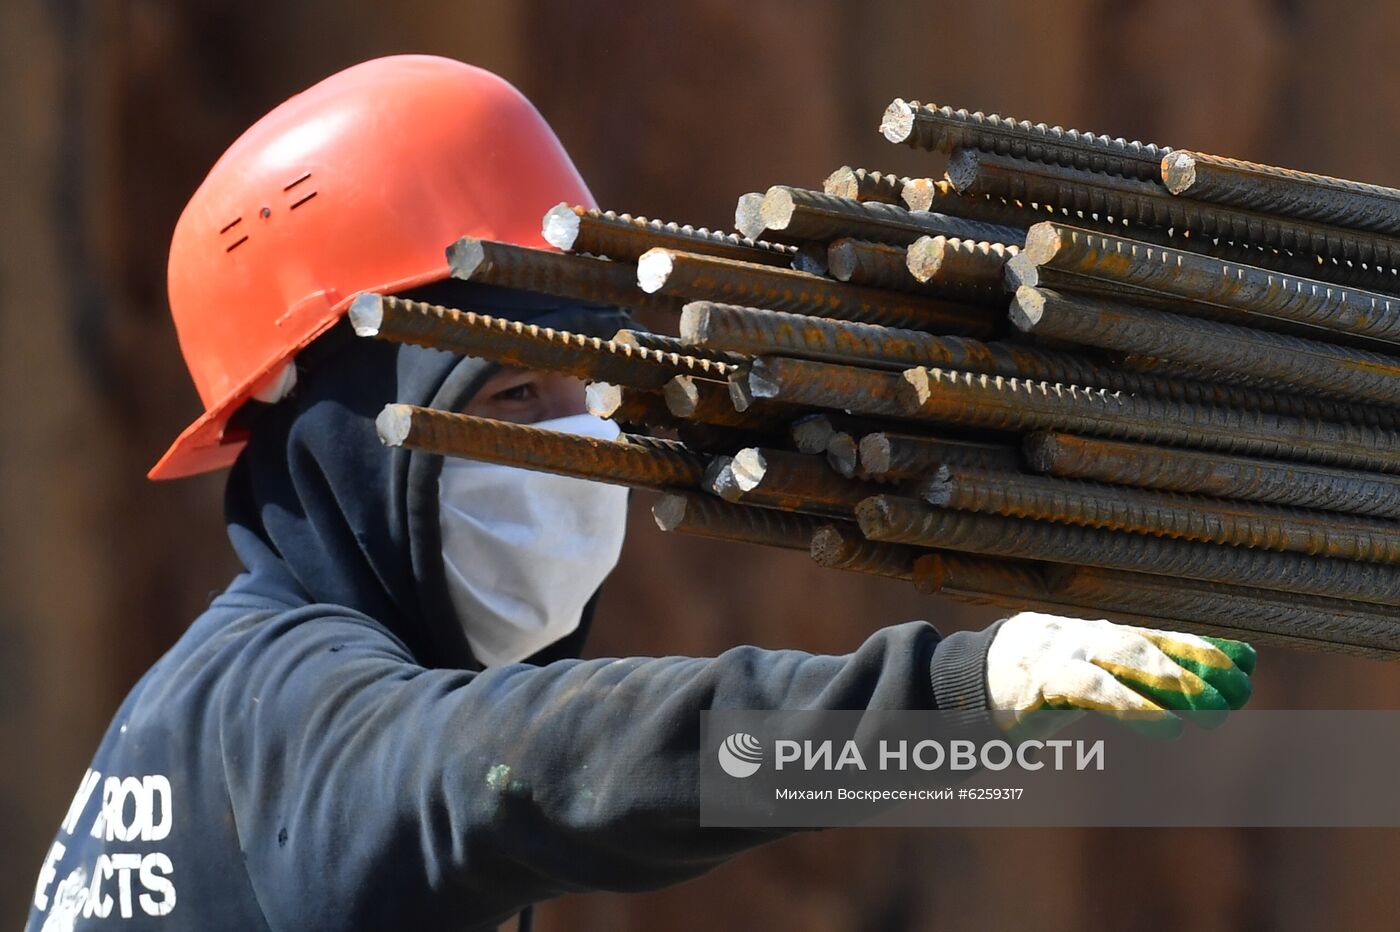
681,396
739,393
759,384
653,268
811,432
930,573
464,256
394,424
602,398
937,488
719,479
1027,307
1043,241
842,454
874,454
748,469
775,211
1039,450
746,219
811,258
897,123
561,226
962,169
873,514
916,389
840,259
924,257
831,545
626,337
1179,171
918,193
367,314
669,512
1019,272
695,322
841,183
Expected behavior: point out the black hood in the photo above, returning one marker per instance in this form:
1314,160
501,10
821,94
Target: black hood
320,511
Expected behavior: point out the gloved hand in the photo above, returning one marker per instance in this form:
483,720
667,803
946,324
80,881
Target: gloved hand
1039,662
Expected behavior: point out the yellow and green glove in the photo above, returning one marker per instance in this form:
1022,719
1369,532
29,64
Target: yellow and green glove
1042,662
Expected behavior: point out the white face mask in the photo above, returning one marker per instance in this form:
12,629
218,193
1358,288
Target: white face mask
524,551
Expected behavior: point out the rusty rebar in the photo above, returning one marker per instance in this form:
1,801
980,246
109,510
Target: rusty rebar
1280,483
1191,276
1162,514
818,385
878,265
943,129
630,406
1307,364
707,278
843,453
1283,191
901,520
624,237
790,482
664,343
1148,203
959,263
709,402
527,346
892,457
810,432
639,462
997,403
704,516
812,215
581,278
858,184
842,547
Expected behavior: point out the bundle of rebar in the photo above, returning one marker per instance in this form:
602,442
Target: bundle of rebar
1076,374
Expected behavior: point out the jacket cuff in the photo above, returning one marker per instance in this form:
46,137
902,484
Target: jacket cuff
959,670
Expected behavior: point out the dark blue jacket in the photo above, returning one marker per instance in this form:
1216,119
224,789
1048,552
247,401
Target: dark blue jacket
320,750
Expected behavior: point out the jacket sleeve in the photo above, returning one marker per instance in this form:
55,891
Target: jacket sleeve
366,786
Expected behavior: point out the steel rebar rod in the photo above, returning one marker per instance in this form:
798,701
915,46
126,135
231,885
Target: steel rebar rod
812,215
965,263
902,520
639,462
1172,470
892,457
624,237
1283,191
582,278
704,516
842,547
1162,514
858,184
625,405
943,129
707,278
1148,203
791,482
1308,364
843,453
528,346
664,343
996,403
719,328
880,265
1316,621
709,402
1195,277
818,385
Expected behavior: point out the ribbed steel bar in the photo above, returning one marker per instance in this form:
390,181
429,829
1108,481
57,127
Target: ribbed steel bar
639,462
967,263
631,406
1014,404
901,520
943,129
1308,621
664,343
791,482
878,265
1191,276
892,457
818,385
709,402
1283,191
1162,514
527,346
722,327
750,224
624,237
842,547
708,278
582,278
1307,364
858,184
704,516
1216,474
1148,203
812,215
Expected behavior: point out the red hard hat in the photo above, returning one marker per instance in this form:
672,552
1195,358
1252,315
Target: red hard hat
356,184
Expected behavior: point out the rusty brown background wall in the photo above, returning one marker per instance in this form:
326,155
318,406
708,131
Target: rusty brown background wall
112,110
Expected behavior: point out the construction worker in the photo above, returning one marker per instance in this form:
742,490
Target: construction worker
378,723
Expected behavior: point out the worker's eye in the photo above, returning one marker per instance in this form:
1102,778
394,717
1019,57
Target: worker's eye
525,391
